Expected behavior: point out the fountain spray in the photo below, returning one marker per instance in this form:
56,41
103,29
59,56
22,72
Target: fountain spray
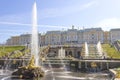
34,44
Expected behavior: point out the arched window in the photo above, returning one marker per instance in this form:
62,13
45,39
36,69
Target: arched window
78,54
70,53
66,53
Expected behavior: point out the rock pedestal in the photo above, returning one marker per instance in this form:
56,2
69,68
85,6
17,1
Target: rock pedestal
30,71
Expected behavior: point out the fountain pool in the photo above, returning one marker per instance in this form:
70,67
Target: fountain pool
60,75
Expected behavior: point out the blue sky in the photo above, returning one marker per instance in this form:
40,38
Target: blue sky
16,19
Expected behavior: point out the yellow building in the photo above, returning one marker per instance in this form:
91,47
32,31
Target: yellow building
14,40
106,37
53,38
114,35
93,35
70,36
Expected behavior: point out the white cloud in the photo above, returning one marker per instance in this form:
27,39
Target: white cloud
11,31
14,23
89,4
109,23
29,25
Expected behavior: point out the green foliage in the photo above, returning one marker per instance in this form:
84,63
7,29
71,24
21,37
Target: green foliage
6,50
119,41
18,54
111,51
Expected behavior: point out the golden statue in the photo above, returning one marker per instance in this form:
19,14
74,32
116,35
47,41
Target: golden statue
93,65
32,62
35,71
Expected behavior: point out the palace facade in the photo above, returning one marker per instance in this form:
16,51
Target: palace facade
70,36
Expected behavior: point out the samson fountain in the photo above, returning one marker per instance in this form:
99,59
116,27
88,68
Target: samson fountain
33,69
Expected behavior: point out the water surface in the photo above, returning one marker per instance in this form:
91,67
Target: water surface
58,74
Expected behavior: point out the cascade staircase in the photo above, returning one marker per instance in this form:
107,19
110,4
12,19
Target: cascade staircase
92,50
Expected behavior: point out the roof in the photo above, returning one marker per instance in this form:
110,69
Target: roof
50,32
117,29
90,29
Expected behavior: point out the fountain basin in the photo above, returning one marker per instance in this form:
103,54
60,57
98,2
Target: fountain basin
28,73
